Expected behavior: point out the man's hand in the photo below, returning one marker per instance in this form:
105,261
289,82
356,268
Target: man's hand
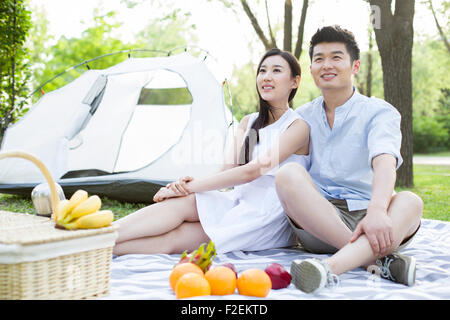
377,226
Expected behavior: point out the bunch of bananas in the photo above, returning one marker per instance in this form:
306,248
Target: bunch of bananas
82,212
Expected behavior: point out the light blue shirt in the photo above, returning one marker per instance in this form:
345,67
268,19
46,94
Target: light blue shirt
341,156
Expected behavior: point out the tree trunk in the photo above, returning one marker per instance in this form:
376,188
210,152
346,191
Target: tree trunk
369,65
272,37
287,43
395,41
438,26
360,84
255,25
301,29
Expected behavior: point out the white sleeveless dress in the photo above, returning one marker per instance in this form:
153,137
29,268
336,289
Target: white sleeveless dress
250,216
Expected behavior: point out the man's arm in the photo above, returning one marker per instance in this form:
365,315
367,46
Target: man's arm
384,176
377,225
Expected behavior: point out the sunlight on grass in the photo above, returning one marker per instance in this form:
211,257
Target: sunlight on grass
20,204
432,184
437,154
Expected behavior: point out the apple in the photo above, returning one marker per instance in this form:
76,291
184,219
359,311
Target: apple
278,275
231,266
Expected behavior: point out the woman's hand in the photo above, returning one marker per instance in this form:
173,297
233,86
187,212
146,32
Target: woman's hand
163,194
173,190
180,187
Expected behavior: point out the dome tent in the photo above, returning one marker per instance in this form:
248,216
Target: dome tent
124,131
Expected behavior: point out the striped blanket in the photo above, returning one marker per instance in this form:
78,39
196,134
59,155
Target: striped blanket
139,277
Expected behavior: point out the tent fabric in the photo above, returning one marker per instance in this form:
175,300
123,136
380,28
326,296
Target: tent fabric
97,124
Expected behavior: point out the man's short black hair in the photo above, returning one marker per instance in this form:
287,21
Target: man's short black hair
335,34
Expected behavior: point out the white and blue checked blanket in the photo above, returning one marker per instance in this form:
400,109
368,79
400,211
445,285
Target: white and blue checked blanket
139,276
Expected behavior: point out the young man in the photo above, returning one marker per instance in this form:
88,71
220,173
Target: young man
346,204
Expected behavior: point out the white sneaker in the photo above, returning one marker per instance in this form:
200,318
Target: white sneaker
311,275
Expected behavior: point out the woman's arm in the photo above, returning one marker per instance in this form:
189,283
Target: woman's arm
294,138
231,160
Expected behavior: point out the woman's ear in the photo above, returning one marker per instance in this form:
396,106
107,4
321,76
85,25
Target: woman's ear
296,81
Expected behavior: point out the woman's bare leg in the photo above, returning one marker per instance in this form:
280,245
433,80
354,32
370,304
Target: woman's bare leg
158,218
187,236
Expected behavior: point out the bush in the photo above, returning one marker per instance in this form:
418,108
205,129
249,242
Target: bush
431,134
431,129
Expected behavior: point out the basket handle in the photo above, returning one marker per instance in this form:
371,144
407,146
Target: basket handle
44,170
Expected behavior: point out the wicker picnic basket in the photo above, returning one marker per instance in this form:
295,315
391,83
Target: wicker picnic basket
38,261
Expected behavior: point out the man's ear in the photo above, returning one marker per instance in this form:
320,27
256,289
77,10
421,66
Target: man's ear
356,66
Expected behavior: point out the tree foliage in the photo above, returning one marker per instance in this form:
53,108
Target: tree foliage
101,39
38,42
67,52
431,95
172,30
14,68
243,90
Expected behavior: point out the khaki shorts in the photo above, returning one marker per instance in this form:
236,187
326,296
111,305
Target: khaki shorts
351,220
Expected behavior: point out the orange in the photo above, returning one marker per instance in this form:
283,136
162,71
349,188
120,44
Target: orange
192,285
222,280
254,282
180,270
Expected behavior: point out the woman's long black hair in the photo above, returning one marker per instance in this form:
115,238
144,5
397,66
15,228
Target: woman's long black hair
262,120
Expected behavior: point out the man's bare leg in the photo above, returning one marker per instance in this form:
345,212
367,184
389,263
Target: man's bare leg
307,208
405,211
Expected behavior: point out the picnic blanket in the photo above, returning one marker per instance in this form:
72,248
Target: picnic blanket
140,276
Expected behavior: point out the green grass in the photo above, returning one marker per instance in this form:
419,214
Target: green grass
15,203
437,154
431,183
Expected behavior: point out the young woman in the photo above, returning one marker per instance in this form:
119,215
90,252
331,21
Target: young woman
249,216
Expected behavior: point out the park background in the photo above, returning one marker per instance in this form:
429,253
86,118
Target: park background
54,35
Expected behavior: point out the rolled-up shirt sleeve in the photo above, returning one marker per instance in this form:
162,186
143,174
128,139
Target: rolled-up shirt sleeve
384,134
306,113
